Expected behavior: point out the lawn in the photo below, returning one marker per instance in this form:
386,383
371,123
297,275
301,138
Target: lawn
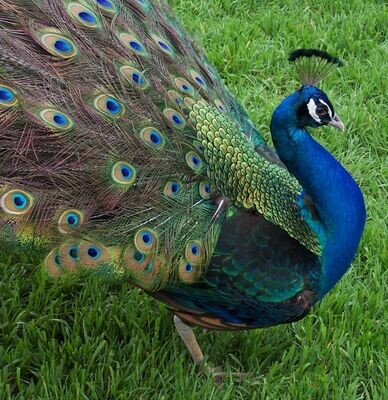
85,339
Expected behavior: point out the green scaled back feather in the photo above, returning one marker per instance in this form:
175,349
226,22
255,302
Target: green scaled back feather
102,162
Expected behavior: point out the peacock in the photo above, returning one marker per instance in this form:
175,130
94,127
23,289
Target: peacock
123,153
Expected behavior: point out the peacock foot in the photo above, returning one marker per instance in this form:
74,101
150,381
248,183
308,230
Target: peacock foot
189,339
219,375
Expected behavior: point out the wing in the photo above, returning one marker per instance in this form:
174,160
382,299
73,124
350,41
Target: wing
259,276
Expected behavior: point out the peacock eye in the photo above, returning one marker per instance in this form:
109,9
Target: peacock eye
321,111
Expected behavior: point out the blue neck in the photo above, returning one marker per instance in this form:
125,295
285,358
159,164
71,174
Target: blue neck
335,194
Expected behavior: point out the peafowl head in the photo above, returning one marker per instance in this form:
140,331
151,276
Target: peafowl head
314,108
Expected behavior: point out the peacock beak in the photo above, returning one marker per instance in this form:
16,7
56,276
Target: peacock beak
336,122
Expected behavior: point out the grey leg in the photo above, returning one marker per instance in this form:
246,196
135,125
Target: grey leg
189,339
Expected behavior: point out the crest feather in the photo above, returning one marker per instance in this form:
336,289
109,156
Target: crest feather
313,65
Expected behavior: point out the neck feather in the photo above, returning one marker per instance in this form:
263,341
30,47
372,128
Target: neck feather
334,192
245,176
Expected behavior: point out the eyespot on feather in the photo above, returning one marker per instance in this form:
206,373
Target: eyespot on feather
146,240
70,220
83,15
204,190
187,272
8,96
135,260
184,86
124,173
194,251
194,161
152,137
134,77
151,271
58,45
56,120
163,44
210,69
53,264
109,106
198,146
148,271
173,188
92,254
69,254
175,97
106,6
130,41
155,274
198,78
175,118
16,202
220,105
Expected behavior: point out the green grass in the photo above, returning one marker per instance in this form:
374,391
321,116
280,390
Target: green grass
84,339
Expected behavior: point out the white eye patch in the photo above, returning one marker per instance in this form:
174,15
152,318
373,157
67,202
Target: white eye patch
311,106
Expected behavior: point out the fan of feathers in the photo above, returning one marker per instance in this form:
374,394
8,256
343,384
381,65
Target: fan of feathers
99,164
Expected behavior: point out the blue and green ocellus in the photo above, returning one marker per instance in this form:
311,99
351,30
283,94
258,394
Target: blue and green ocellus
122,152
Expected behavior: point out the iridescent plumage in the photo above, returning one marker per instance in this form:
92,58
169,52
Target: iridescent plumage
123,152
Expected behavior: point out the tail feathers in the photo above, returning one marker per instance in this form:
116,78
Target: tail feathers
98,160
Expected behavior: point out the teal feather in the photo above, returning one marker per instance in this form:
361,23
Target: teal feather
122,152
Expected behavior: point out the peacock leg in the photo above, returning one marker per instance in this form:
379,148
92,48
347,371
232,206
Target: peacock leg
189,339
